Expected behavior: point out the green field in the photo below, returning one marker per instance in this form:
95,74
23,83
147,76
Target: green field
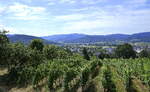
79,75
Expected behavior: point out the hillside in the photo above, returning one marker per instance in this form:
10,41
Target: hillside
100,38
140,37
81,38
64,37
26,39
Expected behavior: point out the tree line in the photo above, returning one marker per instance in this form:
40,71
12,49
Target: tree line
124,51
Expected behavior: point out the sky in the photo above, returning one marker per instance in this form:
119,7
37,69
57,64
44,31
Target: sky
93,17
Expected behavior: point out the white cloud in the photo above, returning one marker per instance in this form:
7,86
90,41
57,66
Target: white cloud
116,18
68,1
93,24
11,30
92,1
70,17
1,26
120,18
55,2
21,11
82,25
137,1
2,9
52,2
78,16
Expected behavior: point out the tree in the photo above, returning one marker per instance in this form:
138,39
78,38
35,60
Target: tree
144,53
50,51
21,58
3,38
103,55
37,44
62,54
85,54
125,51
4,48
53,52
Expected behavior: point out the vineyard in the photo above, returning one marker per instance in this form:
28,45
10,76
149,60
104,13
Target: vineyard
49,68
96,76
79,75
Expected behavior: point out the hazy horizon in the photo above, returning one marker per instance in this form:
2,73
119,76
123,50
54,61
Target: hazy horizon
75,33
92,17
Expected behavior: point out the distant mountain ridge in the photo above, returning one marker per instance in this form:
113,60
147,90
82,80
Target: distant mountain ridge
26,39
64,37
83,38
140,37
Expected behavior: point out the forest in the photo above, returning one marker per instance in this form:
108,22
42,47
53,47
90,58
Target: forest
39,67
